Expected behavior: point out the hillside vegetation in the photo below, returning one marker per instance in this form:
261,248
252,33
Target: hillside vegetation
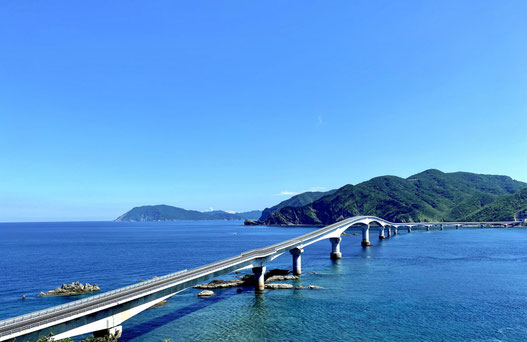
503,209
296,201
168,213
431,195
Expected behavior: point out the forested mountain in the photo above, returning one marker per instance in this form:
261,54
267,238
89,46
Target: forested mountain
503,209
168,213
431,195
296,201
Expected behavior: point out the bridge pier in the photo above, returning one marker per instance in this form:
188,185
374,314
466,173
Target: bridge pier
482,225
409,229
259,280
381,234
366,236
297,260
115,332
457,226
335,248
395,232
427,228
442,227
389,231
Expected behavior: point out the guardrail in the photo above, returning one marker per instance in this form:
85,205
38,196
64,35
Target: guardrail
203,270
86,300
199,271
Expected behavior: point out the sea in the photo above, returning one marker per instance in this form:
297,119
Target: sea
453,285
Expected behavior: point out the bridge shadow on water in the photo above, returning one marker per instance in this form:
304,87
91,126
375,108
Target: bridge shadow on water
148,326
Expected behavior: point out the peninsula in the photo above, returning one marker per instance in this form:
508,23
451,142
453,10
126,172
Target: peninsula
169,213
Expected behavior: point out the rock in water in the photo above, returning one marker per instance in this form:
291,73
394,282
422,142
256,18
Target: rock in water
206,293
314,287
220,284
281,278
248,280
75,288
279,286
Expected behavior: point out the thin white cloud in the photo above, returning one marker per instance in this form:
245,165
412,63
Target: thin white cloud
230,211
286,193
292,193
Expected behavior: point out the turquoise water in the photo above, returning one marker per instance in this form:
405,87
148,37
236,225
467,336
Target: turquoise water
468,284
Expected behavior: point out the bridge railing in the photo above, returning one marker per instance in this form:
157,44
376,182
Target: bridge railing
91,308
85,300
196,272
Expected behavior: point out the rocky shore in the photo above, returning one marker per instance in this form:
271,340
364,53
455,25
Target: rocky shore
249,222
72,289
248,280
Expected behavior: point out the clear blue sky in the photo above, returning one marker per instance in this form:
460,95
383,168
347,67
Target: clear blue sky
106,105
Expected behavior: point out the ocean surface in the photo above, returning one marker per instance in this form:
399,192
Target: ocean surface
467,284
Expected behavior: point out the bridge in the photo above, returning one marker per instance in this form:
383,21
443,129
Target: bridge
103,314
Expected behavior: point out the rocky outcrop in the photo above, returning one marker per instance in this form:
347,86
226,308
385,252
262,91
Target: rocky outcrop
249,222
206,293
279,286
72,289
281,278
248,280
314,287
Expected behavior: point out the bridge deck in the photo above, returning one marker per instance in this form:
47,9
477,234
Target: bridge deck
117,297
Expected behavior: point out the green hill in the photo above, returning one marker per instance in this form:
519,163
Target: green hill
168,213
296,201
427,196
504,209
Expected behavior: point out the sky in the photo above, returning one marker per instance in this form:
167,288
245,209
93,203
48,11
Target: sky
237,105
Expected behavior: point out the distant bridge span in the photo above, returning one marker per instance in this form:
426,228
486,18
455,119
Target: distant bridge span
104,313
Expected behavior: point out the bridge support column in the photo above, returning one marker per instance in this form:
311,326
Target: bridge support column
457,226
381,234
427,228
442,227
409,229
482,225
335,248
297,260
259,280
115,331
366,236
389,231
395,232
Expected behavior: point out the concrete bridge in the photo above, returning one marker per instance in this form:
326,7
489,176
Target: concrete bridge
103,314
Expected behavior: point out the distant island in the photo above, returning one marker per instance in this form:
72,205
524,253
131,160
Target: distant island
164,212
431,195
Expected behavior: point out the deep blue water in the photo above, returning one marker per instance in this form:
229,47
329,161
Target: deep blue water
468,284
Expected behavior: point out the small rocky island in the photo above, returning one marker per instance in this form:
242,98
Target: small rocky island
72,289
248,280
